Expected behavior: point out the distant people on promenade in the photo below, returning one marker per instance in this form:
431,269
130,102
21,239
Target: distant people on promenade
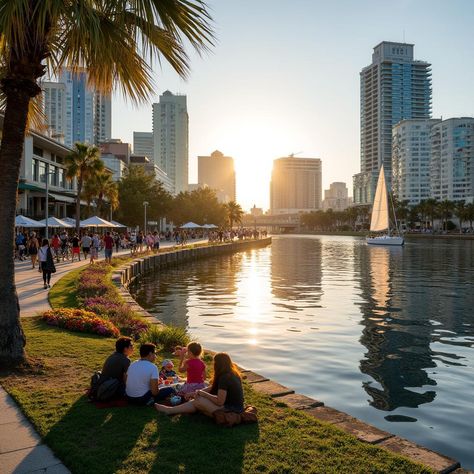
86,243
76,249
33,246
108,247
46,262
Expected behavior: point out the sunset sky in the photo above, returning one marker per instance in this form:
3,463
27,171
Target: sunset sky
284,78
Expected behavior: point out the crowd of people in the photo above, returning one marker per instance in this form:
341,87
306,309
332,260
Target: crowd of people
142,383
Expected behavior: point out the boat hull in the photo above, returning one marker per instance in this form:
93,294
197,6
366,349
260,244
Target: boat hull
385,240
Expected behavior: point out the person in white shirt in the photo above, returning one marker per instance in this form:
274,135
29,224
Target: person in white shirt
142,377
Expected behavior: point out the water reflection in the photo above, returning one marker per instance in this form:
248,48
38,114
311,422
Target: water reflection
396,356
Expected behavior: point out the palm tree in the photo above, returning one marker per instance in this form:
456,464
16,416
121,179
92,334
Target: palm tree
82,164
462,212
431,207
117,42
470,214
445,209
102,187
234,213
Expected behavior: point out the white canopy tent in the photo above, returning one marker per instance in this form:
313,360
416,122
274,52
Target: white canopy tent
190,225
209,226
55,222
69,220
96,221
22,221
117,224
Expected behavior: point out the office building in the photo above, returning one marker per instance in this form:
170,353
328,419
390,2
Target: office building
296,185
143,144
336,197
452,159
102,117
393,88
217,171
411,158
170,138
115,146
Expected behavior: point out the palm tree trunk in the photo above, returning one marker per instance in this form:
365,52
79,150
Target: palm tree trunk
12,338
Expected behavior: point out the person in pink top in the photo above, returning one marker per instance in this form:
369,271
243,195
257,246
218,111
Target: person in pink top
195,368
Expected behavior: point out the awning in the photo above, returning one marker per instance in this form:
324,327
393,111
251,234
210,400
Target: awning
30,187
60,197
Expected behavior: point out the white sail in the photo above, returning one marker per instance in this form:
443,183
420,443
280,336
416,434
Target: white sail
380,219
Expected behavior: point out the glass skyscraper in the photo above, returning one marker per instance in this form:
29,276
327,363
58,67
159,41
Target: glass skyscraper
393,88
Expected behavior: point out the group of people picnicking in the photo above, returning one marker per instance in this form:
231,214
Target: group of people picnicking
142,383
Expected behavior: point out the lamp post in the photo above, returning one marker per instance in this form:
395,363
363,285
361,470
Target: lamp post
145,204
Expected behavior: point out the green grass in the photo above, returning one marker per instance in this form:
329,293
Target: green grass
137,440
63,292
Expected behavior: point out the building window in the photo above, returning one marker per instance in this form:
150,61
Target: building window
42,172
37,151
34,170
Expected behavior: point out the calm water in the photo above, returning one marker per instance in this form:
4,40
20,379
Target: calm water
386,335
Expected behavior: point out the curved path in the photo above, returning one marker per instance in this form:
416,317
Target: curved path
24,452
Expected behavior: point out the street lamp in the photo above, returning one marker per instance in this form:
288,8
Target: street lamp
145,204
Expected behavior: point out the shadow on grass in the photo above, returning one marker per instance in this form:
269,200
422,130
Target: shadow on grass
137,439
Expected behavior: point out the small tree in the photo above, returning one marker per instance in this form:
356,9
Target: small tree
234,213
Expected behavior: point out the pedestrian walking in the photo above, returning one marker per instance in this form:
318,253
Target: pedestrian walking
86,243
76,249
46,262
94,248
33,246
108,247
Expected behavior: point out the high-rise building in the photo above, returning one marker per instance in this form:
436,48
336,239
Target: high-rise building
452,159
115,146
393,88
54,109
217,171
170,138
296,185
336,197
88,112
411,158
143,144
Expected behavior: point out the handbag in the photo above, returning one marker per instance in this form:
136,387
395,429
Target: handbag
231,418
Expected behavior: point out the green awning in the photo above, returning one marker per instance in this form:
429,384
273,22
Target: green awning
30,187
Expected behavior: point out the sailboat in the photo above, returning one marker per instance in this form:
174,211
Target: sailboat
380,216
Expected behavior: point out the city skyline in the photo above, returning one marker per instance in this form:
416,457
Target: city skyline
280,90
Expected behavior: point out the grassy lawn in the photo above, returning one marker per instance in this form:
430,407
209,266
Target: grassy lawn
63,292
136,440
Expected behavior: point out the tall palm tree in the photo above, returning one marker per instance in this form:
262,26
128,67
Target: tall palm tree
82,164
234,213
462,213
106,190
470,214
117,41
431,208
445,209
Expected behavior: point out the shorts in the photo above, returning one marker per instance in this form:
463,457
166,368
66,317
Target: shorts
93,252
156,245
86,249
108,253
76,250
191,387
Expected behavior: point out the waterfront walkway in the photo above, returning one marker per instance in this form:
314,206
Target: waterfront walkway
21,448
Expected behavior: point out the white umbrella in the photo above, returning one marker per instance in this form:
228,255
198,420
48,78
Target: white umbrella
209,226
22,221
96,221
190,225
55,222
69,220
117,224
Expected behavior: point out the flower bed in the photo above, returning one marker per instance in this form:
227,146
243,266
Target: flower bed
96,293
81,321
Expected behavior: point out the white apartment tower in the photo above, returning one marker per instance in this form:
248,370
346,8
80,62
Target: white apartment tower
143,144
170,138
411,159
393,88
296,185
452,160
336,197
102,117
54,109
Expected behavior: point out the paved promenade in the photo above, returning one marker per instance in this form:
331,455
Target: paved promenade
21,448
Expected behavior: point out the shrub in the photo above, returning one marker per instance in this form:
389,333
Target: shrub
129,323
105,305
81,321
166,336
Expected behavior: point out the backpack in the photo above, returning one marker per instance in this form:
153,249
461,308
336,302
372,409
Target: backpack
92,392
107,390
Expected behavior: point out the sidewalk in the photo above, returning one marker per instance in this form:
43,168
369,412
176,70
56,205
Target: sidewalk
21,448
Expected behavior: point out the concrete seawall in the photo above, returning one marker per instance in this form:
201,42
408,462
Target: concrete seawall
124,275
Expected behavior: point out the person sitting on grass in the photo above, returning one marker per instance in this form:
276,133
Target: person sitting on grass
195,368
167,370
224,393
117,364
142,379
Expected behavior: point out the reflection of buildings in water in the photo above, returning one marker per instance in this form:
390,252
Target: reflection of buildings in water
398,349
170,293
296,269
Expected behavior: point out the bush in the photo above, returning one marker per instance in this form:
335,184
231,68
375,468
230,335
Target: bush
129,323
81,321
168,337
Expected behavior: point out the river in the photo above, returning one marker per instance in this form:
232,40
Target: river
385,334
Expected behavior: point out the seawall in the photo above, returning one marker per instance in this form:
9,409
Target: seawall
125,274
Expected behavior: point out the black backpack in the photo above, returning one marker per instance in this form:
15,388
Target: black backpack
102,390
92,392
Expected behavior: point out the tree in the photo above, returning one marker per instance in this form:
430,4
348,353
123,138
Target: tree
136,187
470,214
431,209
105,190
82,164
234,213
116,41
445,209
462,212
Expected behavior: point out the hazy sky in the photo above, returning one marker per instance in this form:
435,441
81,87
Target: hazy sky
284,78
